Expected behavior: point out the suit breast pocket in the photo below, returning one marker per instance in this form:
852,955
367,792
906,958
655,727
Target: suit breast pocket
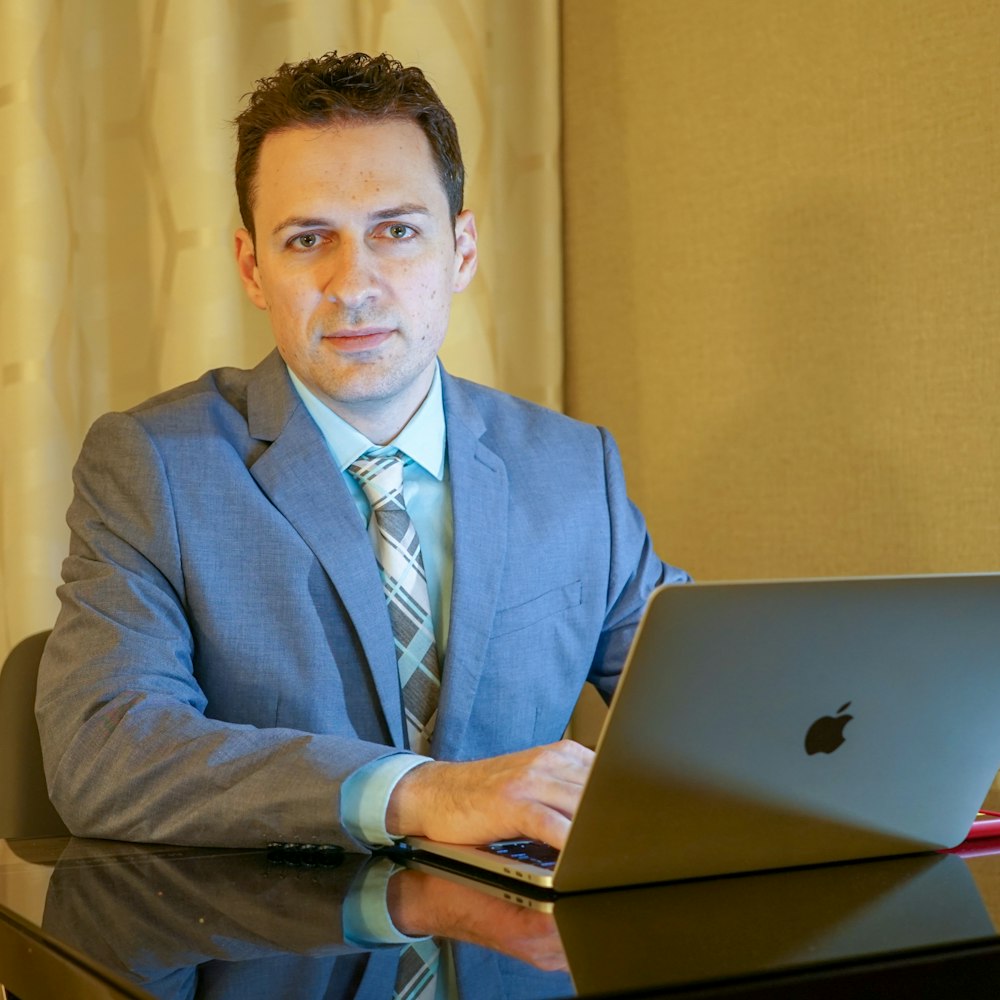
537,609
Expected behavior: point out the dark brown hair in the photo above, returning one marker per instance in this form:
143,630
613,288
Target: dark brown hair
354,87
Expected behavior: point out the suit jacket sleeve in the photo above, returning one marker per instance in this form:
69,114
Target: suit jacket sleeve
635,571
174,692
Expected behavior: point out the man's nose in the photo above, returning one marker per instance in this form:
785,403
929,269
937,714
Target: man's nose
352,279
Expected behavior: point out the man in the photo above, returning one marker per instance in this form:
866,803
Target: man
235,661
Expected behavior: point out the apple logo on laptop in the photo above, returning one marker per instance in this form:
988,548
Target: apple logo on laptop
827,733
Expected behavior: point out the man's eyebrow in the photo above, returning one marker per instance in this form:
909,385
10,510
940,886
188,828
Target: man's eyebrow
298,222
407,208
380,215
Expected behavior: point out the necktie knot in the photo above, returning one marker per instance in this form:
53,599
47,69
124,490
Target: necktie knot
381,479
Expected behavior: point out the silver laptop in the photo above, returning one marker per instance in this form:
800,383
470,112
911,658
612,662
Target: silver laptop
779,724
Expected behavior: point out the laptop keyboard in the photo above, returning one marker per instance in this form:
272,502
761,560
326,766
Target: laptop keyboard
532,852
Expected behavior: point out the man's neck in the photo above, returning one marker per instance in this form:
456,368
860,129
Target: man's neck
379,422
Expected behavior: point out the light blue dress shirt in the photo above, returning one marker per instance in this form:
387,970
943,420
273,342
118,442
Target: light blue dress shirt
364,797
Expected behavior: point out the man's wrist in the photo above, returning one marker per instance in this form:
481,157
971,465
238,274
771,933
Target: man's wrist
409,801
369,920
365,797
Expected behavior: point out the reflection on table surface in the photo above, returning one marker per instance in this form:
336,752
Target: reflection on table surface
185,922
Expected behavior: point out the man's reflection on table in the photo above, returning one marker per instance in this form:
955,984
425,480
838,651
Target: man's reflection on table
185,924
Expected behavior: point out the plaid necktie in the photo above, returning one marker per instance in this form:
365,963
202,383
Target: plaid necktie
416,974
397,549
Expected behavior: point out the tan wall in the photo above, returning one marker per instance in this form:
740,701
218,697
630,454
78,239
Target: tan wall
783,264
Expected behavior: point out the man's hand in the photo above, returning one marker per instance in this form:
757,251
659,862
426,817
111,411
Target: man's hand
423,905
533,794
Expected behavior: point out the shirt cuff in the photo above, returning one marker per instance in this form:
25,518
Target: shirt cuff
366,918
364,797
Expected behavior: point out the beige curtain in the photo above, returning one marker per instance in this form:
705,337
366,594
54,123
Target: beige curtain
117,208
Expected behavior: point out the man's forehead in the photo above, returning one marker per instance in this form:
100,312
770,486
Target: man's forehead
386,137
347,157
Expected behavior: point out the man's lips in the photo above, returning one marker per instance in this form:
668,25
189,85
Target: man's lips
364,339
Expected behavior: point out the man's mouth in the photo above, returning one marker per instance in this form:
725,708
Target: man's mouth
365,338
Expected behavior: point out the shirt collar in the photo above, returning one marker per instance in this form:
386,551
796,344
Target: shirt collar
422,439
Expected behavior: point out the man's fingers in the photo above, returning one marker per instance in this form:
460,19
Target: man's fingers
538,822
533,793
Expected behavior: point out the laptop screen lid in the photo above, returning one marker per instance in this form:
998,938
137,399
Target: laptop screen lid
775,724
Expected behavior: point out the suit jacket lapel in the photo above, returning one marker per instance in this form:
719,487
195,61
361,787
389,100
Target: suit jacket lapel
479,504
299,477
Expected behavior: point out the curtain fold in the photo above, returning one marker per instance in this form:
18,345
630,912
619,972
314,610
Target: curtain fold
116,198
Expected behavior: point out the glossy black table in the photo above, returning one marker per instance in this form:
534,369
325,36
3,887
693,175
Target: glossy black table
97,919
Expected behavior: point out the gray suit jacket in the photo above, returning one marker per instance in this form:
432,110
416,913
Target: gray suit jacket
223,659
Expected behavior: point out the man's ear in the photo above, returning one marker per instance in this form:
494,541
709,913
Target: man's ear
466,251
246,261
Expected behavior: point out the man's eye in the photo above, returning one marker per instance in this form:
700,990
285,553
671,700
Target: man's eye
398,231
305,241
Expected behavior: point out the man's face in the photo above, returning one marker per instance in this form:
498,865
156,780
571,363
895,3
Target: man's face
356,259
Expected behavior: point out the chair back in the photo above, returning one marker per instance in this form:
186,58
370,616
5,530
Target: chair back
25,809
